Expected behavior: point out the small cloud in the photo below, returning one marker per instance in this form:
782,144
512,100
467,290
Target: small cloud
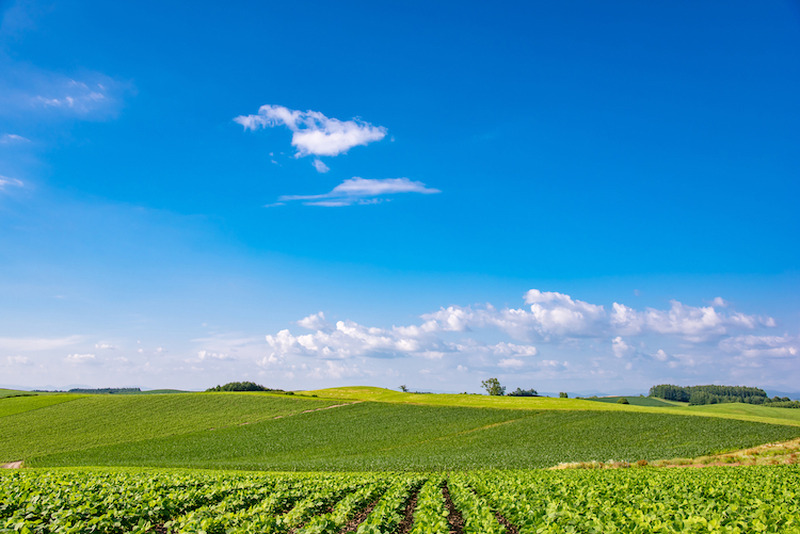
18,360
314,322
361,191
312,132
5,181
511,363
620,348
80,358
320,166
209,355
719,302
7,139
104,346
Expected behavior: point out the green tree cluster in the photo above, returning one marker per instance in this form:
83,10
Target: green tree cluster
710,394
242,386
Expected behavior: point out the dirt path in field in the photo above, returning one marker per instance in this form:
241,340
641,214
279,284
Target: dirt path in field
453,515
12,465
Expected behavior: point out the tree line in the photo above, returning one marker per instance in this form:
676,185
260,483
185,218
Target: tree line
713,394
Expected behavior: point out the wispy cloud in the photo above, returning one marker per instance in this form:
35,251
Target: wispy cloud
28,90
33,344
320,166
312,132
5,181
8,139
361,191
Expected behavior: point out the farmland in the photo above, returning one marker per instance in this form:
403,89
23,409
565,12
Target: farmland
260,431
759,499
372,461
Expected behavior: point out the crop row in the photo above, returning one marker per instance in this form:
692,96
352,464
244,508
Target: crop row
712,500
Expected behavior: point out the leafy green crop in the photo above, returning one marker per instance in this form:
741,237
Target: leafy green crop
713,500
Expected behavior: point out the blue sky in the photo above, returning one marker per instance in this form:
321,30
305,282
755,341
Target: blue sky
567,196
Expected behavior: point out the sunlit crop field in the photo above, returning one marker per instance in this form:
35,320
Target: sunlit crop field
645,500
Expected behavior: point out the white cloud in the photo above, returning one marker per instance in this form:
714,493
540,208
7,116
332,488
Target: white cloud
511,363
719,302
12,182
661,355
33,344
312,132
209,355
18,360
104,346
751,346
320,166
361,191
81,358
620,348
7,139
315,321
557,313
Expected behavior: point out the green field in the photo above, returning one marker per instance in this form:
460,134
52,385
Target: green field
633,401
141,464
367,429
713,500
96,420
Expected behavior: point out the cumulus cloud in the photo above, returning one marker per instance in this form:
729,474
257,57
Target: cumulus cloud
81,358
210,355
361,191
620,348
312,132
537,337
18,360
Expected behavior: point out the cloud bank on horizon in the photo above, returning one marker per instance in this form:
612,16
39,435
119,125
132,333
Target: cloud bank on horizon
555,341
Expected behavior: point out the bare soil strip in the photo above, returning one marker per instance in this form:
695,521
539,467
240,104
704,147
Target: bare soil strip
453,515
352,525
408,516
501,518
12,465
503,521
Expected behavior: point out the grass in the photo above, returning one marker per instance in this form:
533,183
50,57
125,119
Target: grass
633,401
394,436
97,420
743,412
10,405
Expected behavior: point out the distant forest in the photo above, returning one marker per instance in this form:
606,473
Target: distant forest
712,394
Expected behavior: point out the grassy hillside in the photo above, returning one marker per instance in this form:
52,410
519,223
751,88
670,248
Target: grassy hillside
13,405
743,412
633,401
80,422
386,436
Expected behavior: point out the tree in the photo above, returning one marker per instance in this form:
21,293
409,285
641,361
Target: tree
622,400
493,387
563,395
404,389
524,393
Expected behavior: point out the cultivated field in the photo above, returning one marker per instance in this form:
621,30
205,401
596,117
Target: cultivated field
405,462
758,499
